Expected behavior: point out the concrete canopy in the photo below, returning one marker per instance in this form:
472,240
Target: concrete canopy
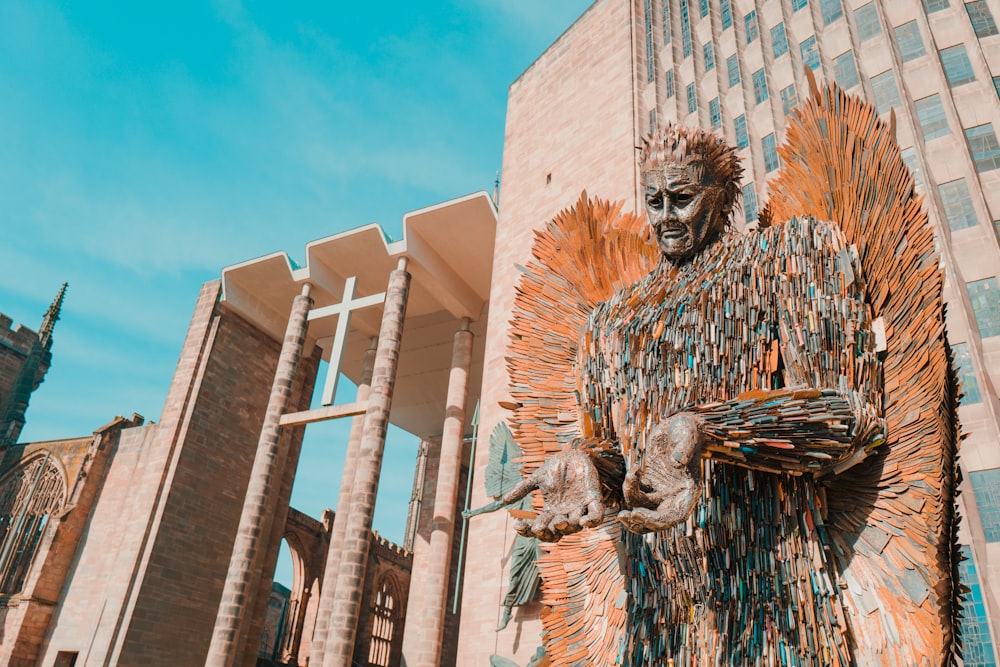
450,251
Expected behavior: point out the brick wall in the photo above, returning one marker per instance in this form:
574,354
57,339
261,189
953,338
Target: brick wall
577,85
149,574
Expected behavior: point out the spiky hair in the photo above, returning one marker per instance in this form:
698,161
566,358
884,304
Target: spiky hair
718,162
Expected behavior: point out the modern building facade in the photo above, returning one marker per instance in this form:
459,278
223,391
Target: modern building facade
738,66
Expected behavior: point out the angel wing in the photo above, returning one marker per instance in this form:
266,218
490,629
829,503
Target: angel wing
582,257
891,519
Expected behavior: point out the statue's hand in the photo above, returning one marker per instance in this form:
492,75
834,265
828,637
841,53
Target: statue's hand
663,490
571,489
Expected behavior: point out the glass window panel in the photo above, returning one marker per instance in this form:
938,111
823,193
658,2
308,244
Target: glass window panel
957,204
740,125
685,28
935,5
985,305
726,9
831,10
957,68
810,54
749,203
670,83
666,22
708,51
866,18
984,147
799,4
909,156
981,18
652,121
770,146
715,113
703,8
779,41
788,99
911,45
845,71
885,91
650,73
996,85
733,69
930,113
692,99
759,86
977,644
750,23
967,374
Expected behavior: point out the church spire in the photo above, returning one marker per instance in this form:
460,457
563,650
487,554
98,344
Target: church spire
49,321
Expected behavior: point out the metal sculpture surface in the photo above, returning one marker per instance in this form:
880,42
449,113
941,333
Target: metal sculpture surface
745,444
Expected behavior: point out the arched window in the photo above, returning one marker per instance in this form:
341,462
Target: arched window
28,495
383,615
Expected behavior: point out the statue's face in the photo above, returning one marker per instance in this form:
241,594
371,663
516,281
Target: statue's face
684,212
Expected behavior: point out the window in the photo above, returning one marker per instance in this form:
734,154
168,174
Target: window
909,156
930,113
749,203
986,306
935,5
750,22
726,9
383,615
788,99
984,147
845,71
976,640
29,494
810,54
957,204
685,28
759,86
652,121
703,8
714,113
709,56
831,10
799,4
910,43
650,73
666,22
770,147
996,85
670,83
740,125
733,69
981,18
692,99
957,68
779,41
866,17
885,91
967,374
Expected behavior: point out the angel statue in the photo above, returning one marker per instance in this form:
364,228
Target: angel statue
744,444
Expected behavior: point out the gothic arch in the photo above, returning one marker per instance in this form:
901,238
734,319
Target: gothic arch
386,621
29,494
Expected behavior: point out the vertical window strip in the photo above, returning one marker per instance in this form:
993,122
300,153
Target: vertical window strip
670,83
692,99
957,68
759,86
733,70
885,91
740,126
911,44
866,18
650,69
666,21
845,71
810,54
726,10
770,146
984,147
779,41
750,24
985,299
957,204
788,99
831,11
708,56
749,203
967,374
930,113
715,113
685,28
981,18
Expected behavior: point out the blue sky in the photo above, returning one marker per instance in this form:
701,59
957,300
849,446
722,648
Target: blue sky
144,146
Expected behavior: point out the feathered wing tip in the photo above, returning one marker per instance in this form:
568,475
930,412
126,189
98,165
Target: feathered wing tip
583,256
892,517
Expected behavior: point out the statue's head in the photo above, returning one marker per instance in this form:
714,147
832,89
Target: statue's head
690,179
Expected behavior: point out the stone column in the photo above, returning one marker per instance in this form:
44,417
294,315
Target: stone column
357,539
258,505
422,640
332,565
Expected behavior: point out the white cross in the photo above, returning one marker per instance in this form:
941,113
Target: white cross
343,311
